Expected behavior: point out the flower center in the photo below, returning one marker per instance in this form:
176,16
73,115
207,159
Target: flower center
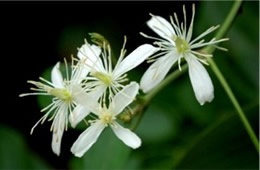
62,94
181,45
106,79
107,117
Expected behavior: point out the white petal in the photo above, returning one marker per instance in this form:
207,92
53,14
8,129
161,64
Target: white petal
58,129
126,136
56,76
78,114
200,80
124,98
87,139
161,27
134,59
157,71
80,73
91,55
88,100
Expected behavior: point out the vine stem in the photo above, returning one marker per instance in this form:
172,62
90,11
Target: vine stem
222,31
165,82
235,103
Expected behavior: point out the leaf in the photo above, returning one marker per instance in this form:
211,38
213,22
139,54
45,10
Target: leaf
107,153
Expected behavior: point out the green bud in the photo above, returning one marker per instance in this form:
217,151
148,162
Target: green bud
99,39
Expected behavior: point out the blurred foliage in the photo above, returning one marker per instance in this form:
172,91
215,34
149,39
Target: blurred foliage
223,145
175,130
15,154
107,153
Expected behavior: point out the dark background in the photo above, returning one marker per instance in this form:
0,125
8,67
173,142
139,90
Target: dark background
35,35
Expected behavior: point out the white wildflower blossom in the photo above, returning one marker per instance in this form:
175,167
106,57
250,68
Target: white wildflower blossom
63,100
99,64
176,43
106,117
102,76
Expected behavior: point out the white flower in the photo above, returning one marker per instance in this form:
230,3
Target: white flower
62,103
106,117
103,78
176,43
99,64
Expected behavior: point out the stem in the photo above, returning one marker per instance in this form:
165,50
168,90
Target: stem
235,103
165,82
222,31
226,25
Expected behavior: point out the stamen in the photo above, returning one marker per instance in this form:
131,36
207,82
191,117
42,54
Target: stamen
66,68
57,108
176,19
86,122
153,38
47,107
175,27
35,89
37,124
209,30
122,53
31,94
155,57
185,22
203,61
189,35
201,54
179,63
209,43
220,48
109,60
104,56
46,81
182,30
111,95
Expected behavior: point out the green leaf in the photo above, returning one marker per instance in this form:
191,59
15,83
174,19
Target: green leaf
107,153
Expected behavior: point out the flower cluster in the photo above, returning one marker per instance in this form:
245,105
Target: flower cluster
95,86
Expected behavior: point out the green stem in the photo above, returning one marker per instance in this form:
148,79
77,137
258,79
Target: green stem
140,108
226,25
221,33
165,82
235,103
